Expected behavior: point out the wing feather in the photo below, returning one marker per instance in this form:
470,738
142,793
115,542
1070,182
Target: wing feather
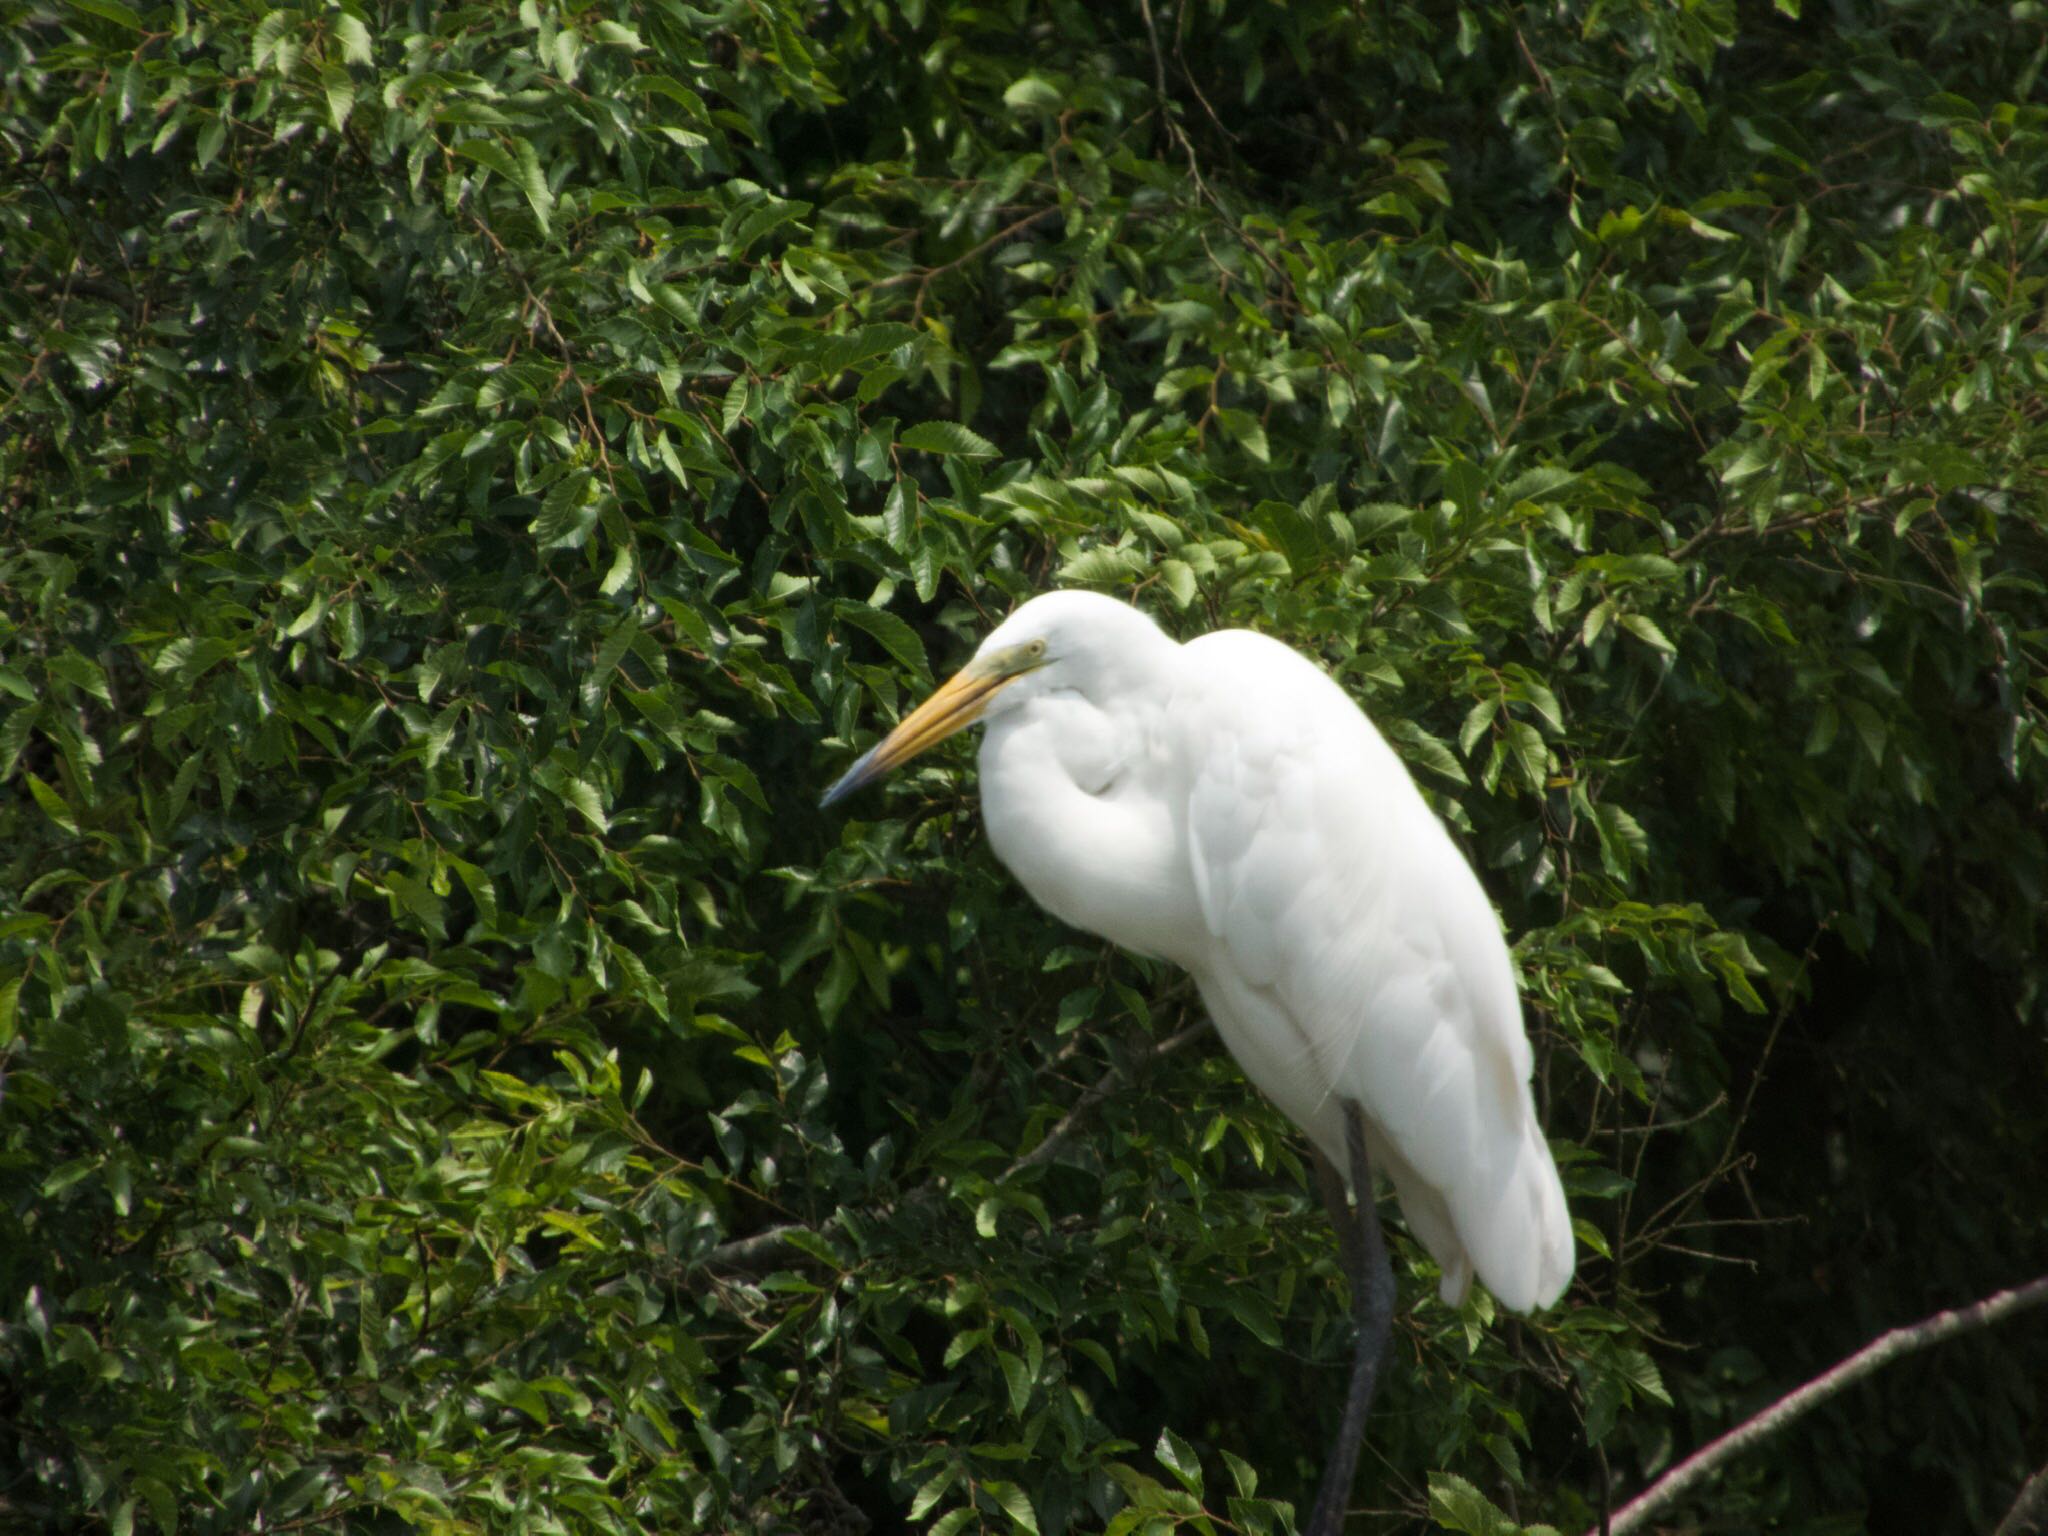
1354,955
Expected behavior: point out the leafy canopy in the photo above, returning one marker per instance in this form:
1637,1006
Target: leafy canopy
472,475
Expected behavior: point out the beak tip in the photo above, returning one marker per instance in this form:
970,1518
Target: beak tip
848,782
959,703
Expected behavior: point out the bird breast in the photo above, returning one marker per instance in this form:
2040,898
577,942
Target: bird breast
1075,801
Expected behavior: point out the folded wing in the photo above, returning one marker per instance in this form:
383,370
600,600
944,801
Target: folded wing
1356,956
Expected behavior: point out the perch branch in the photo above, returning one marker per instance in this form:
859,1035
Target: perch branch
1880,1352
765,1249
2029,1513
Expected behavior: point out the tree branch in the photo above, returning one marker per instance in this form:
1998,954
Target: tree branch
1882,1351
770,1247
2029,1513
1063,1132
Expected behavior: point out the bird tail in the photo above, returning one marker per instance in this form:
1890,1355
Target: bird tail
1522,1244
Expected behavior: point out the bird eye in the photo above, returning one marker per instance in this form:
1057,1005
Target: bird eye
1035,648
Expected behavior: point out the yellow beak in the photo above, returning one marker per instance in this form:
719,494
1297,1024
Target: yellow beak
957,705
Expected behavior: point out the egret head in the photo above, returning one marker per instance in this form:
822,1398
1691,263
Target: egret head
1057,640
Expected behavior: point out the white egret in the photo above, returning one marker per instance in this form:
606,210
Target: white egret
1224,805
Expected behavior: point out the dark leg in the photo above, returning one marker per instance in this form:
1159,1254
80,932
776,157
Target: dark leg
1337,1206
1372,1305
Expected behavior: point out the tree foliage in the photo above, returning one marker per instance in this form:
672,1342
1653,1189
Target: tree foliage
472,475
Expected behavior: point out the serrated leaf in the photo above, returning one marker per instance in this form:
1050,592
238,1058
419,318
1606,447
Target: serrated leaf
533,182
110,10
83,672
1096,1353
620,574
1624,844
1242,1474
897,637
1017,1378
565,518
491,155
1477,719
947,438
354,38
1645,629
308,618
1033,93
583,797
1458,1506
340,93
896,518
54,805
1247,431
963,1345
1015,1504
1525,743
1179,1458
927,1497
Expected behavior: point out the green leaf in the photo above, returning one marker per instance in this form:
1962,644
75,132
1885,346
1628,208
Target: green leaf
54,805
580,795
83,673
1098,1355
354,38
308,619
1178,1457
897,637
491,155
1033,93
1456,1505
1525,742
1477,719
519,165
963,1345
340,93
1645,629
947,438
109,10
533,182
929,1494
1247,431
1018,1380
1014,1504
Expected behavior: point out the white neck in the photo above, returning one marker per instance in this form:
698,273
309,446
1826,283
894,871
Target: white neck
1076,803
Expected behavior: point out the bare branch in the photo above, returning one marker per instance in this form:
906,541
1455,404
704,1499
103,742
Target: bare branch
2029,1513
763,1250
1060,1134
1697,1468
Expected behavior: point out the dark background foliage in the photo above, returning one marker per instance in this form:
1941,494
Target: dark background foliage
471,475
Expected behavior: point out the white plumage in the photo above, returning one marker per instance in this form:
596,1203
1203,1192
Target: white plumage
1224,805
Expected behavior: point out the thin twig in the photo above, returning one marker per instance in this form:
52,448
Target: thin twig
2029,1513
1104,1085
770,1247
1178,135
923,278
1697,1468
